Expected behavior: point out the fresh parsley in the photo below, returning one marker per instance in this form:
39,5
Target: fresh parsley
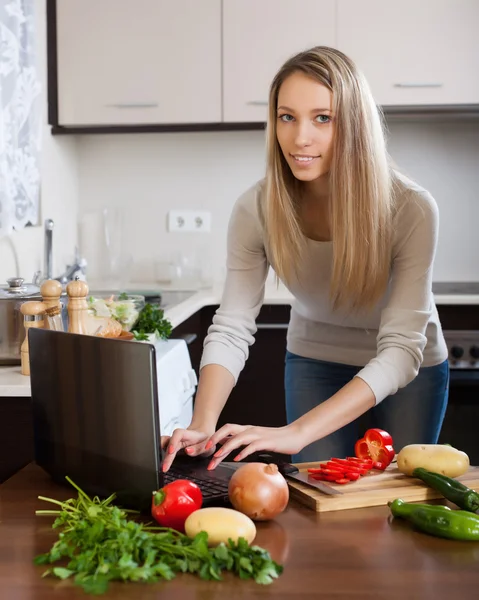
98,543
152,320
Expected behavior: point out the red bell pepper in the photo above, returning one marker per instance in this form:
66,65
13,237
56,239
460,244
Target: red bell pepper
376,445
174,503
341,470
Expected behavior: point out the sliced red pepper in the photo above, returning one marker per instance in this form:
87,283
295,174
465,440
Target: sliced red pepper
344,470
326,477
354,462
333,467
174,503
343,462
331,473
317,476
338,478
330,478
376,445
313,471
367,462
347,467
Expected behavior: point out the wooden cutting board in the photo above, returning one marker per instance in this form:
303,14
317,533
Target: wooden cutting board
374,489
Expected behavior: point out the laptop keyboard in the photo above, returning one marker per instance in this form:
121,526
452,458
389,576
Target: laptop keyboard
210,486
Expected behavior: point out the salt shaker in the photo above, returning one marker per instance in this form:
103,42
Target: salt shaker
77,306
53,319
33,317
51,291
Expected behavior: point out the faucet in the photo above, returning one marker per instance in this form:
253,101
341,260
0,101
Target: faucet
79,265
72,271
48,256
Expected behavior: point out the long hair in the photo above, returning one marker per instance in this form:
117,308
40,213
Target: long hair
360,183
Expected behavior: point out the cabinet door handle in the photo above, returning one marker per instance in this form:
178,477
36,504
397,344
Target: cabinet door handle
257,103
133,105
418,85
271,325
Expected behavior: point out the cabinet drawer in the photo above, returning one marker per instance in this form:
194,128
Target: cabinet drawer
258,37
150,62
414,53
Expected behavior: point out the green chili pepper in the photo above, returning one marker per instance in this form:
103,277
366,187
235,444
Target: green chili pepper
440,521
453,490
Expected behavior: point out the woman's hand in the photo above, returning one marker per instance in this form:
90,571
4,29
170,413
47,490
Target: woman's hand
192,440
286,440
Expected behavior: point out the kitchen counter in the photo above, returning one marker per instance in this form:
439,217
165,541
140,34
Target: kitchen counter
13,383
347,554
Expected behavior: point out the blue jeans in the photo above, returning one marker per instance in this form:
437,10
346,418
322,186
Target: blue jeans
414,414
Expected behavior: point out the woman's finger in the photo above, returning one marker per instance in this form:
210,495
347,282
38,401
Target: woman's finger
253,447
225,432
197,449
179,439
242,439
164,441
175,441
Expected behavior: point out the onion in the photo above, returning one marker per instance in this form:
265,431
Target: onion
259,491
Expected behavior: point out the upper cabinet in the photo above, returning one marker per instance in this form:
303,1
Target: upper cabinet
258,36
194,64
414,53
141,62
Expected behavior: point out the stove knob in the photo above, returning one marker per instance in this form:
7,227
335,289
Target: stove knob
457,352
474,352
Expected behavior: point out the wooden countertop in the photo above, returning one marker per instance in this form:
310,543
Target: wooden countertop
341,555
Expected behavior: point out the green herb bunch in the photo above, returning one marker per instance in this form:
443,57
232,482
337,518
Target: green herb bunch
151,320
102,544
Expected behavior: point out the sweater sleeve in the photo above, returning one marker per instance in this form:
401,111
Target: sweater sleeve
234,324
401,337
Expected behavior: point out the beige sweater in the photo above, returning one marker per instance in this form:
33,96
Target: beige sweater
390,343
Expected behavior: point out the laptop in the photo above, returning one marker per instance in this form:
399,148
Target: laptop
96,419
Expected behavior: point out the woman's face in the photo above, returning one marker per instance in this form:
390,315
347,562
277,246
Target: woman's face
305,126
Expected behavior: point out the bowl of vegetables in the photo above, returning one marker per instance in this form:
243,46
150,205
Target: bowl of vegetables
124,308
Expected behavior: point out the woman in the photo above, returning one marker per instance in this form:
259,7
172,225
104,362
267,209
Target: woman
354,241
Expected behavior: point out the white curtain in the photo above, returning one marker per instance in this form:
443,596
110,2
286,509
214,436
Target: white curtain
20,117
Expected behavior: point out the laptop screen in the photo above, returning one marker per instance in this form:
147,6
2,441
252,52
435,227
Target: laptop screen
95,412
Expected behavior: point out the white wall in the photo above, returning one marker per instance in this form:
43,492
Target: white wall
21,254
444,158
146,175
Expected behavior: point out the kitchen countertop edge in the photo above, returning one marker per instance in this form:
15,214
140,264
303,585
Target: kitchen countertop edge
14,384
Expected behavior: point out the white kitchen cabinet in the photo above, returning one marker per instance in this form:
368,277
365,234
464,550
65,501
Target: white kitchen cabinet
414,52
141,62
258,36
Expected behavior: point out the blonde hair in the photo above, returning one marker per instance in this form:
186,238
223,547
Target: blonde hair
360,183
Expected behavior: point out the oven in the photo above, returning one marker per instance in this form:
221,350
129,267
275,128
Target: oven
460,428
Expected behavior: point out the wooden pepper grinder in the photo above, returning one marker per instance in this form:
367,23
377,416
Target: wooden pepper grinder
51,291
33,317
77,306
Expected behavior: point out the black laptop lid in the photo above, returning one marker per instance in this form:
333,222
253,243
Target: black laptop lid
95,413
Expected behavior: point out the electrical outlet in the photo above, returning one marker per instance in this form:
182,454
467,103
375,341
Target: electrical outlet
189,220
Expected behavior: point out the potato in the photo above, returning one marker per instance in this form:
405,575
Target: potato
220,524
438,458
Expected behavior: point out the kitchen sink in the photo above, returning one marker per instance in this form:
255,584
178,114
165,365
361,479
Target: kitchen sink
166,299
172,298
